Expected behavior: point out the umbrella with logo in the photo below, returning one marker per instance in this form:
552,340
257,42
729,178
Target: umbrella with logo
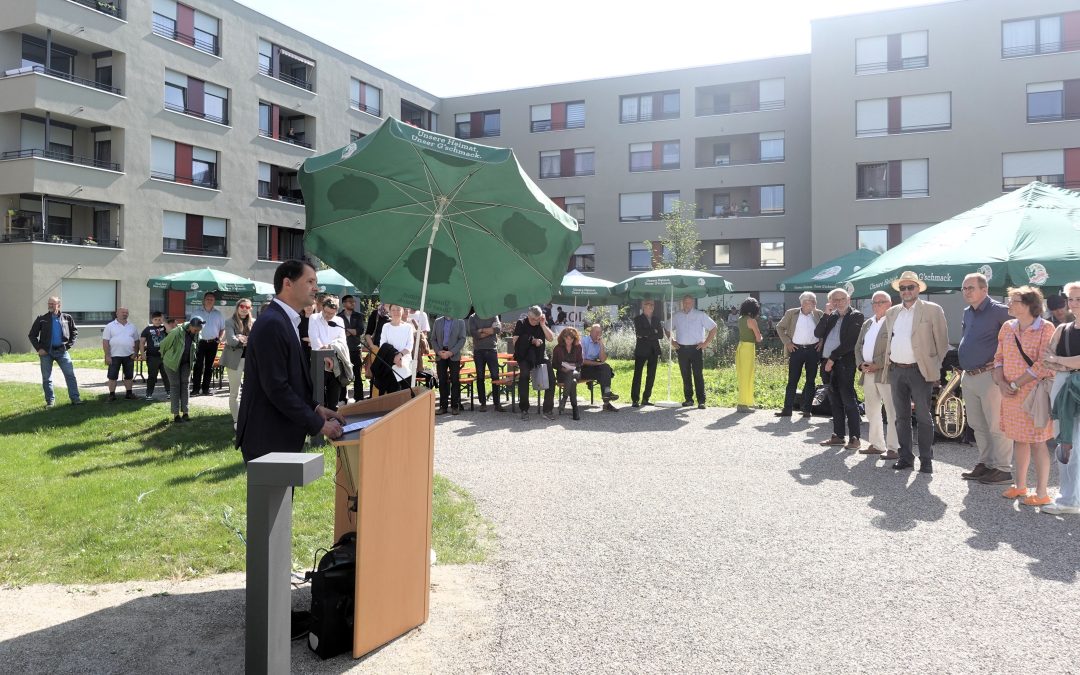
828,275
1030,236
203,280
436,222
667,284
582,289
330,281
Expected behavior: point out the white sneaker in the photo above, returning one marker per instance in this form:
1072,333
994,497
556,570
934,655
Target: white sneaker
1056,509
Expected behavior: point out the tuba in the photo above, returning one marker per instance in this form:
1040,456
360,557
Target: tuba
949,415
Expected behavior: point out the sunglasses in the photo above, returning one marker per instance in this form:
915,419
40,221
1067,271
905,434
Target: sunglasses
908,288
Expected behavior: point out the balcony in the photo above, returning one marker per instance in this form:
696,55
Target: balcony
287,125
294,80
42,70
60,156
206,43
219,119
740,202
895,193
737,150
363,107
215,250
279,184
1009,184
1039,48
418,116
892,65
110,7
206,180
69,221
742,97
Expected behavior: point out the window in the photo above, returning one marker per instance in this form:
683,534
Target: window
355,135
771,94
772,200
584,162
286,65
365,97
169,15
34,54
659,105
264,119
771,146
1053,101
89,301
635,206
60,143
667,201
196,235
903,114
661,155
873,237
890,180
772,252
280,243
909,229
195,97
557,116
641,157
550,164
640,256
575,207
1047,166
871,180
1040,35
584,258
885,53
721,254
571,162
278,183
183,163
477,124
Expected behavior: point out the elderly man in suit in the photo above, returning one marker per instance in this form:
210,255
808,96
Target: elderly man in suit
796,331
278,409
447,339
918,340
839,332
870,359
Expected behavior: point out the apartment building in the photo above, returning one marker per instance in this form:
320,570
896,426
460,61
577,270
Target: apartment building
143,137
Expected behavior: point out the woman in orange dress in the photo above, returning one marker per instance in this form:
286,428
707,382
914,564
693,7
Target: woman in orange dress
1016,376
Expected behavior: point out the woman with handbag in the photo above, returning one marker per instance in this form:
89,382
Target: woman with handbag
567,358
530,352
1063,357
1018,370
232,357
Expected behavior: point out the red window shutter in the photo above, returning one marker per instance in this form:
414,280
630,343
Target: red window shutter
1072,168
1070,31
362,101
657,156
182,164
174,305
566,162
275,121
894,179
560,202
193,236
895,235
275,180
185,24
558,115
476,125
195,96
893,50
657,106
657,204
1071,99
275,238
755,202
894,114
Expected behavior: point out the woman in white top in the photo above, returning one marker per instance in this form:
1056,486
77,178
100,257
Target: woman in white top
324,330
398,332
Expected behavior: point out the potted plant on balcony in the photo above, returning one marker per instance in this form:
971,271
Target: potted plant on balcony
56,239
105,6
89,241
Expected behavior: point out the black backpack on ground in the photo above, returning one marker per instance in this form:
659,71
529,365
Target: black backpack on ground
333,584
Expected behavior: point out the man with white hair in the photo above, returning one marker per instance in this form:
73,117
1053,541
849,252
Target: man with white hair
839,332
530,351
796,331
870,359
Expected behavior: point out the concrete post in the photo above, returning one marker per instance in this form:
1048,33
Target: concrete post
318,373
271,480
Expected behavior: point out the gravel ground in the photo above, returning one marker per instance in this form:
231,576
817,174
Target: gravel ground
708,541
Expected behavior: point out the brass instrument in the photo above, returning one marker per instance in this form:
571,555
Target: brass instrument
949,415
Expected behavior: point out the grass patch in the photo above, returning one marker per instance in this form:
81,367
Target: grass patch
89,357
114,492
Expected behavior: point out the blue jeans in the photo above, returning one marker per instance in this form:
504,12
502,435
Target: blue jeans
60,356
1069,474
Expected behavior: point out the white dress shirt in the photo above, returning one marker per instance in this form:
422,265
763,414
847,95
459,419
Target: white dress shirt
322,333
804,329
901,350
691,327
401,336
871,339
293,315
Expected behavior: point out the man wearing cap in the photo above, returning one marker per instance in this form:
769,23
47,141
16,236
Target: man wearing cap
796,331
918,340
983,318
178,351
212,331
840,331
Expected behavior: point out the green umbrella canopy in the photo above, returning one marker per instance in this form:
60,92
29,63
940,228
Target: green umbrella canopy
828,275
1030,236
661,284
379,208
332,282
203,280
582,289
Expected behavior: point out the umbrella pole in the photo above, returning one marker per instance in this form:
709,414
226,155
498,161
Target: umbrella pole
423,289
671,312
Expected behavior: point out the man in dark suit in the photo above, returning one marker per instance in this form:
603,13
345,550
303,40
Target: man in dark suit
840,331
277,407
354,323
649,330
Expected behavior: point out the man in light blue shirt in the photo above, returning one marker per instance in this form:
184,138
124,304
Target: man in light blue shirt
694,330
595,367
212,331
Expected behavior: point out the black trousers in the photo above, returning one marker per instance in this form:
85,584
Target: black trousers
449,374
331,390
569,383
802,359
358,376
154,366
601,373
204,366
692,364
909,388
523,386
486,360
640,363
842,400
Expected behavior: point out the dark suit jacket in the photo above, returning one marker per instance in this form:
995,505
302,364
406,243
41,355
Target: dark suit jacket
277,408
649,333
357,323
849,334
41,332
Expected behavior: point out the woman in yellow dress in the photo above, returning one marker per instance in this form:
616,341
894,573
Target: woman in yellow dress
746,352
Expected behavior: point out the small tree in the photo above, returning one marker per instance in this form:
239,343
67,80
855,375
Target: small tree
680,240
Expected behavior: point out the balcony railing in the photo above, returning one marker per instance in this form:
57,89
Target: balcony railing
914,129
62,75
26,226
200,181
363,107
1036,48
195,113
1014,183
110,7
648,117
737,212
170,246
741,108
291,197
167,31
62,157
890,66
265,133
872,193
726,160
1055,117
546,125
288,79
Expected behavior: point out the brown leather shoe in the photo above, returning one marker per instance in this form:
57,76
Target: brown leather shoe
891,454
871,450
853,443
833,440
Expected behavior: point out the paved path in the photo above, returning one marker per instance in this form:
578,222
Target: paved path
705,541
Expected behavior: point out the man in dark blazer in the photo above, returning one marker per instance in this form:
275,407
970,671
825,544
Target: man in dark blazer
354,323
277,406
649,330
840,332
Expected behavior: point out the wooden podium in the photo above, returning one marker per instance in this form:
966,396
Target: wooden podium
388,467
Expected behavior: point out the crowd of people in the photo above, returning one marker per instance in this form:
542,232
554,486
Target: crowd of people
1020,371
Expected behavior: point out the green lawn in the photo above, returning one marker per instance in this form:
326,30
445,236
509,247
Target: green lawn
90,357
114,492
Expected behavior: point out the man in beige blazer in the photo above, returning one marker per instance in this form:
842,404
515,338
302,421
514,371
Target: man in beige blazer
796,331
870,359
918,340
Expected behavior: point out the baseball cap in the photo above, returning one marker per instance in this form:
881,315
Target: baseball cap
196,321
1055,302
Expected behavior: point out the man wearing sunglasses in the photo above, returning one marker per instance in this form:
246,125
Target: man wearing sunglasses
918,340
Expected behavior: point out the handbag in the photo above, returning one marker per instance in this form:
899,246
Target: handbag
1037,401
539,377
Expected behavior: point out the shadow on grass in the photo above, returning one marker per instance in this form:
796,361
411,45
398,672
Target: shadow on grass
62,415
161,633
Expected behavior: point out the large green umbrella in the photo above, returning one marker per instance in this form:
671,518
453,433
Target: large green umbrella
828,275
580,288
331,281
436,222
667,284
203,280
1030,236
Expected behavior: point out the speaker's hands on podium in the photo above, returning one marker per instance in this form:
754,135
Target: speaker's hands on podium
332,422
